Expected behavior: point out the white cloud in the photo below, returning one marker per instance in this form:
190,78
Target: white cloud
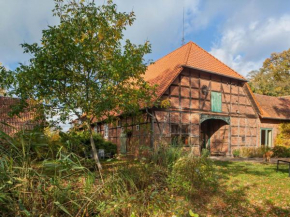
250,32
244,47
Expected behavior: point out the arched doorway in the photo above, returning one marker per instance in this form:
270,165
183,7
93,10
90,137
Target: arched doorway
214,135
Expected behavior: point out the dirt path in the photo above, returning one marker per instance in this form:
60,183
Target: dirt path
253,160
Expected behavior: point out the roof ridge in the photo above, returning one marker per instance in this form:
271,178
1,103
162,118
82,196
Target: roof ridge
217,59
172,51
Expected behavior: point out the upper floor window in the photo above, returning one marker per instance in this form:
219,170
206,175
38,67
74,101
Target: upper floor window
216,101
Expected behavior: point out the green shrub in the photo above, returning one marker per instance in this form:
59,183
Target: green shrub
205,152
165,156
283,138
249,152
79,142
236,153
281,151
191,174
142,186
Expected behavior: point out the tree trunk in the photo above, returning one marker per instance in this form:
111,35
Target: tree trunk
95,153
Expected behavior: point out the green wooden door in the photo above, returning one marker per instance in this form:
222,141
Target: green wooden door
216,101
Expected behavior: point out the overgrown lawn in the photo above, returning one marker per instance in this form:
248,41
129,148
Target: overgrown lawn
247,189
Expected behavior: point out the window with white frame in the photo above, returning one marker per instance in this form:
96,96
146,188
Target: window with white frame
106,133
137,127
266,137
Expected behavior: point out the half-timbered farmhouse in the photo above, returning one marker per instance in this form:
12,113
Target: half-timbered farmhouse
211,106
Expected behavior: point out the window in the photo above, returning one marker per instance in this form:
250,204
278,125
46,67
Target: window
174,129
184,129
216,101
185,134
106,134
174,134
96,129
266,137
137,127
179,134
118,123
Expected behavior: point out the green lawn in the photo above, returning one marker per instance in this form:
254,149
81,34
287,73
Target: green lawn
247,189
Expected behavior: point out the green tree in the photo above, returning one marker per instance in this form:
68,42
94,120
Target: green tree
84,67
272,79
6,79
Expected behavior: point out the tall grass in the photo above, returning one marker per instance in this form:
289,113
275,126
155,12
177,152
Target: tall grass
60,185
33,187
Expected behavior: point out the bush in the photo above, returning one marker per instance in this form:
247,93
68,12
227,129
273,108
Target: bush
283,138
253,152
79,142
165,156
140,189
281,151
41,143
191,174
236,153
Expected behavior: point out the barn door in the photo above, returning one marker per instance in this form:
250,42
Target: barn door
123,139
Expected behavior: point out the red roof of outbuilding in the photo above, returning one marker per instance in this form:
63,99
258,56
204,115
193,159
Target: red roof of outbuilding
273,107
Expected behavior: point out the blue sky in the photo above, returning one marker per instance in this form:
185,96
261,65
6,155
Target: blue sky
241,33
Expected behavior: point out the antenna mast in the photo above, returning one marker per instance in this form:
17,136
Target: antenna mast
182,40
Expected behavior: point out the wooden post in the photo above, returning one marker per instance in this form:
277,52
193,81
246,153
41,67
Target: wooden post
190,112
246,131
152,132
239,132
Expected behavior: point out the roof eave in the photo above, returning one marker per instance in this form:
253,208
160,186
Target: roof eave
215,73
265,117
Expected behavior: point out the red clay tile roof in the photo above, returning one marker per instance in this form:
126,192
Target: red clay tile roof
164,71
273,107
